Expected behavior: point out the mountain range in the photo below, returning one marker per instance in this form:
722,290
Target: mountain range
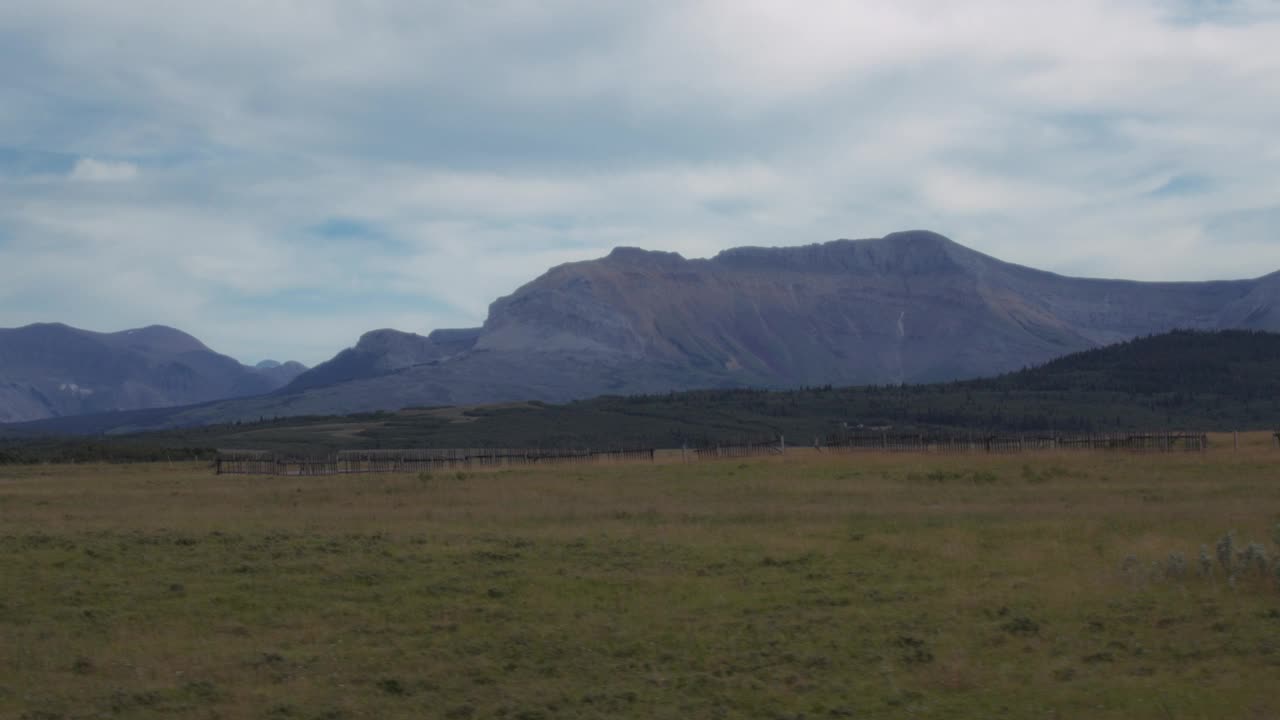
53,370
906,308
1182,380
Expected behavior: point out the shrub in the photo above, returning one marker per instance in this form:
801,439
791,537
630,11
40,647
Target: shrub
1226,551
1206,563
1254,557
1251,561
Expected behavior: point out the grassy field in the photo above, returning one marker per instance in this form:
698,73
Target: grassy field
853,586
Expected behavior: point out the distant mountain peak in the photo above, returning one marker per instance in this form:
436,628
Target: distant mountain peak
379,352
45,326
53,369
919,238
634,255
162,337
387,338
157,330
910,252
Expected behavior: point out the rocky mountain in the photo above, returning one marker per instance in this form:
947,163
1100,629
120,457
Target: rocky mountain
53,370
383,351
279,373
910,307
907,308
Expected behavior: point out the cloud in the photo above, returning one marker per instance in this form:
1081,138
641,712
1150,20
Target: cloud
90,170
285,178
1184,185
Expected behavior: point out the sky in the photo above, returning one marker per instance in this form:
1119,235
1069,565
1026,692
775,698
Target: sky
277,178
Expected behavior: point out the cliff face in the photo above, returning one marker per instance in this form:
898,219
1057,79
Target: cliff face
909,307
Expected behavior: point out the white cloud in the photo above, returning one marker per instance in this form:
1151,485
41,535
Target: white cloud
90,170
485,142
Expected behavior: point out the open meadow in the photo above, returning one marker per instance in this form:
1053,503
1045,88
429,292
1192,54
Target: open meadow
844,586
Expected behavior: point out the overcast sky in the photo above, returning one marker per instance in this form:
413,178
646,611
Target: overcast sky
279,177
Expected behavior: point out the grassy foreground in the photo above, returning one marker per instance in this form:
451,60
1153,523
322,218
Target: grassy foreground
851,586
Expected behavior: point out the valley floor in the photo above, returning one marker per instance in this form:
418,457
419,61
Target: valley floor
819,587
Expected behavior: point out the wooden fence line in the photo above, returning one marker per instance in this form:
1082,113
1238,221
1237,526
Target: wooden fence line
1133,442
990,444
252,462
233,462
723,452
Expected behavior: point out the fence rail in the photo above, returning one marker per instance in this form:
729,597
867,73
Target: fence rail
253,462
1004,444
250,462
976,444
721,452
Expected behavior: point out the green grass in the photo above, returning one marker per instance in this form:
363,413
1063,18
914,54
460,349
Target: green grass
854,586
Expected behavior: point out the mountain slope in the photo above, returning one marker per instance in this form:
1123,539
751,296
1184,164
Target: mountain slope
910,307
53,370
907,308
1199,381
1187,380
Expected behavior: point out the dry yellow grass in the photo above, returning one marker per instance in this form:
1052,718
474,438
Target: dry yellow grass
819,586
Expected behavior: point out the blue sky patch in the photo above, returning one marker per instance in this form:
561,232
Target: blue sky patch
24,162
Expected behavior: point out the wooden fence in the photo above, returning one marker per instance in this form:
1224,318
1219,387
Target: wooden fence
977,444
252,462
744,450
1004,444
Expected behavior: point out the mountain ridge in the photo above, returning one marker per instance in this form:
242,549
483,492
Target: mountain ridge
1182,380
911,307
54,369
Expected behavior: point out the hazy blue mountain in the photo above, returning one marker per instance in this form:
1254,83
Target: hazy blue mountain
53,370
